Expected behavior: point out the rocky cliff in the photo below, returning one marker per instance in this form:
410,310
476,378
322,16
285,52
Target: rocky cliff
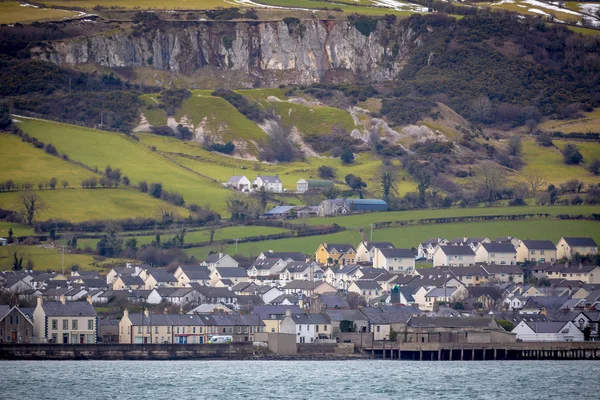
277,52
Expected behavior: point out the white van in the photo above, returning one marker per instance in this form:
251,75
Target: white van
220,340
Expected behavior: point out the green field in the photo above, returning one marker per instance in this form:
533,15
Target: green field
18,229
143,4
97,148
348,9
313,120
23,163
197,236
411,236
589,123
78,205
307,245
12,11
549,161
49,259
525,8
365,219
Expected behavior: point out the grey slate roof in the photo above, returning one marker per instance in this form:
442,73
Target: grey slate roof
499,247
196,272
267,311
457,250
265,264
269,178
345,315
367,285
340,247
399,253
452,322
232,272
333,301
294,255
163,276
379,245
69,309
502,269
580,241
546,327
131,280
539,244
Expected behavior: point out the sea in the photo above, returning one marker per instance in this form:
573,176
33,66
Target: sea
355,379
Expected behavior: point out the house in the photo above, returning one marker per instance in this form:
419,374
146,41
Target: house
266,267
395,261
284,255
236,275
473,243
269,183
298,271
160,328
241,327
536,250
341,277
428,247
272,315
508,239
160,278
365,252
187,274
116,272
268,293
126,282
367,289
304,185
308,288
282,212
339,254
333,207
219,260
484,297
382,324
183,296
40,280
456,256
210,308
16,326
589,274
504,273
567,247
347,320
65,322
548,332
470,276
306,327
367,205
17,283
238,182
108,330
496,253
445,295
3,241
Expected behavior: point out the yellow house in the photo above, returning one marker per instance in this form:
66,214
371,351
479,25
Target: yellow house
536,250
470,276
126,282
569,246
65,322
340,254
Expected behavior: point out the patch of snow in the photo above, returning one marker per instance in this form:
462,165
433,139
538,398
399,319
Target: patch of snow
589,8
273,99
144,125
536,11
548,6
28,5
504,2
259,5
399,6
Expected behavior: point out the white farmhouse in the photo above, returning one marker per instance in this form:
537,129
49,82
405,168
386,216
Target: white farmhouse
238,182
548,332
270,183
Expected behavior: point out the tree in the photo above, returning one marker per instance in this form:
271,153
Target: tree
10,238
5,119
279,146
165,213
111,244
490,180
544,140
388,185
65,184
156,190
17,261
347,156
535,179
356,184
143,185
424,182
332,193
481,109
31,205
571,155
131,243
594,167
263,198
53,182
326,172
514,145
179,238
212,230
242,207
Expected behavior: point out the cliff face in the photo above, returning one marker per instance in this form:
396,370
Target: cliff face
303,52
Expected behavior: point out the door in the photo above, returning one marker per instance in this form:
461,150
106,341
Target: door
201,339
13,336
81,339
65,338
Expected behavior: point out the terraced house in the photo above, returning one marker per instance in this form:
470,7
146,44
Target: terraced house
536,250
65,322
335,254
569,246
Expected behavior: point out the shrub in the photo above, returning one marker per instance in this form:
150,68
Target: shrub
156,190
594,167
347,156
50,149
544,140
227,148
364,24
249,108
433,147
326,172
571,155
162,130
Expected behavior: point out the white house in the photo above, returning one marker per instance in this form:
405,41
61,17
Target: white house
455,256
428,247
496,253
306,327
238,182
395,261
219,260
270,183
267,267
365,252
548,332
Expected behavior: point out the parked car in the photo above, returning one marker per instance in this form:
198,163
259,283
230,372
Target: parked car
220,340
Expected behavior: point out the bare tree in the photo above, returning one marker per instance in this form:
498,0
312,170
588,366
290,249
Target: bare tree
213,226
165,213
491,179
31,205
535,179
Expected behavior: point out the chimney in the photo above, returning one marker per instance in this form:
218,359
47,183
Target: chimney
166,310
288,313
146,312
301,303
125,313
63,299
89,300
40,301
180,310
220,255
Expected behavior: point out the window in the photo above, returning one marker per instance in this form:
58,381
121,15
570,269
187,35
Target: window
245,329
272,330
378,328
90,324
162,339
201,329
148,329
183,330
231,329
139,329
66,324
11,320
224,330
121,330
54,324
194,330
239,329
177,329
156,329
325,328
317,328
542,252
168,329
75,324
300,328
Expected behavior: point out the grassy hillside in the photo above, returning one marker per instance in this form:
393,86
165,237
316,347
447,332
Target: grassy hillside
589,123
365,219
13,11
50,259
312,120
85,204
18,229
143,4
22,162
97,148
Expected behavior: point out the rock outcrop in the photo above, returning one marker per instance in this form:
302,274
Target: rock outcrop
305,52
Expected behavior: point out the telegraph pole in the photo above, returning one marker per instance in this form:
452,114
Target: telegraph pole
63,259
372,225
236,244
